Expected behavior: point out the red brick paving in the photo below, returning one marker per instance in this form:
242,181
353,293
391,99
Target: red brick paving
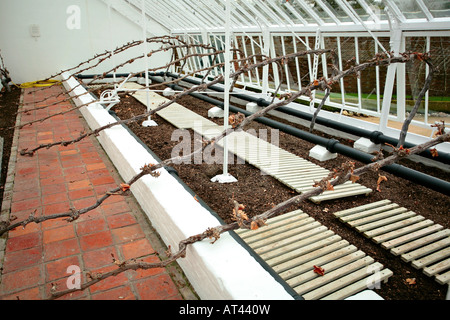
37,257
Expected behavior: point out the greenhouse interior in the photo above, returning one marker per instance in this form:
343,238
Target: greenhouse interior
225,150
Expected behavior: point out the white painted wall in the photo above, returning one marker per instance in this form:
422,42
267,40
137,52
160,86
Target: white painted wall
59,47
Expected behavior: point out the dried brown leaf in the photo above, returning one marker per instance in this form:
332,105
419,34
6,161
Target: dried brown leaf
124,187
319,270
354,178
380,180
434,152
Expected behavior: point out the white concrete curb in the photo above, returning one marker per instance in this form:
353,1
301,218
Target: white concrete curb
224,270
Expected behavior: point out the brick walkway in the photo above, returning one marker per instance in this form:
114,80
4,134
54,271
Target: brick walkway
55,180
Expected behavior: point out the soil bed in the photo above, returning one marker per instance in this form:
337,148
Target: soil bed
9,103
260,192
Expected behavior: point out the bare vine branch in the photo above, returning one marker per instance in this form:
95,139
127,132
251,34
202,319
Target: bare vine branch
340,175
426,86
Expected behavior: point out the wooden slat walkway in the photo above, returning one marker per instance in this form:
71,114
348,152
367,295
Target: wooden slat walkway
293,243
420,241
289,169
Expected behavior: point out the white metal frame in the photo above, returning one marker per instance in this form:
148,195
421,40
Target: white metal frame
263,21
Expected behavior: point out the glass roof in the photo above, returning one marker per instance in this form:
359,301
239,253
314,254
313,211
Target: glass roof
181,16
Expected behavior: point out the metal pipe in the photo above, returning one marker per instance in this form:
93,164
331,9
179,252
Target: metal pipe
376,137
332,145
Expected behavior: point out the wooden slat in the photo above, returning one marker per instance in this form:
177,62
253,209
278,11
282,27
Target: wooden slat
301,228
416,239
310,280
277,227
428,249
388,220
368,206
375,217
292,243
359,286
292,254
432,258
334,280
367,213
420,242
437,268
303,262
411,236
443,278
392,230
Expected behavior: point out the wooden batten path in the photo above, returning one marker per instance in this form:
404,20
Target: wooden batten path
291,170
420,241
294,243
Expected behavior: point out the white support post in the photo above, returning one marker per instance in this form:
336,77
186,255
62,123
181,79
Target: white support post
149,122
401,84
266,52
427,71
314,69
396,36
111,43
225,177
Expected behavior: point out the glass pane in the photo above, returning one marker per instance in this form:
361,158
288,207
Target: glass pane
439,100
268,18
302,62
415,72
336,92
288,13
439,8
348,59
319,11
337,10
366,49
360,11
302,12
410,9
377,7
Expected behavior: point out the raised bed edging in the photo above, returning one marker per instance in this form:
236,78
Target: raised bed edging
224,270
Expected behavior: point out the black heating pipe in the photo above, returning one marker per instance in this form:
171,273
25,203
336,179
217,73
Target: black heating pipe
331,145
376,137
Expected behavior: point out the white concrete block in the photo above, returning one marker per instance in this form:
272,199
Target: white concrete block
222,178
366,145
321,153
149,123
141,80
365,295
215,112
252,107
168,92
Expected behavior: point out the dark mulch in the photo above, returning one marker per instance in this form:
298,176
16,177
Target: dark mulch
260,192
9,103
